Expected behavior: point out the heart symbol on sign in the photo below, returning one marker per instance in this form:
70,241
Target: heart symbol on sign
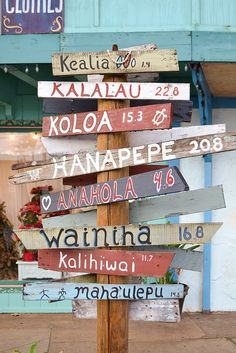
46,202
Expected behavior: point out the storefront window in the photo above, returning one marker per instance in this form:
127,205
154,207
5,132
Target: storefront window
17,148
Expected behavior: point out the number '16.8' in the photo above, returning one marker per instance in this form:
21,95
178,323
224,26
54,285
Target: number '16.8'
184,234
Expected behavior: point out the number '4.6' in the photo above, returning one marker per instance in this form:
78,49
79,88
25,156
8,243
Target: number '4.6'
157,179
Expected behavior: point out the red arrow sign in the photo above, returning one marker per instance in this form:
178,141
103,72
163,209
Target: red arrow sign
113,262
150,117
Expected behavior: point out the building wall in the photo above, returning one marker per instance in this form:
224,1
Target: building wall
223,264
155,15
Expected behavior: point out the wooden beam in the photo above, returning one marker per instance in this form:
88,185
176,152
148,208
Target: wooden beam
13,70
112,313
221,78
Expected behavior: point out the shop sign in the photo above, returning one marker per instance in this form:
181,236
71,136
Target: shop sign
32,16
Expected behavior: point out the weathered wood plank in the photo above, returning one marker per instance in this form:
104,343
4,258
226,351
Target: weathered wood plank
112,262
140,236
166,310
157,182
108,62
82,180
56,146
85,163
150,117
62,291
182,110
113,90
184,259
185,202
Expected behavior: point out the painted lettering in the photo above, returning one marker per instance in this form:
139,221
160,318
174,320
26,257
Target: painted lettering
33,6
162,181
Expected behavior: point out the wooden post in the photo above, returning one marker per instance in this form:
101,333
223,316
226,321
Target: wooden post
112,316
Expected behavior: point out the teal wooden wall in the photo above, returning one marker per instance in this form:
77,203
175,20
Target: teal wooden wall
92,25
149,15
11,301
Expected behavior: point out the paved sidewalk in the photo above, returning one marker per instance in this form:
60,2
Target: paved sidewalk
200,333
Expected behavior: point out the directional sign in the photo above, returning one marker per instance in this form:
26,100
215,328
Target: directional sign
74,144
145,210
182,110
62,291
150,117
166,310
157,182
107,62
74,237
82,180
112,262
85,163
114,90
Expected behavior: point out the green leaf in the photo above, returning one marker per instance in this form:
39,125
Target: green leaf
193,247
33,348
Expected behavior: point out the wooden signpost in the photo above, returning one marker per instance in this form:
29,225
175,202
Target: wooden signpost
157,182
84,163
146,235
114,90
114,62
111,157
72,291
109,312
57,146
112,262
150,117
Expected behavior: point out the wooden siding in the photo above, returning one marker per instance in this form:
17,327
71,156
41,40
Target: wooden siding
94,25
150,15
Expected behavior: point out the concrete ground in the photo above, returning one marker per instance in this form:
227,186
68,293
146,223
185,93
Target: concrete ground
54,333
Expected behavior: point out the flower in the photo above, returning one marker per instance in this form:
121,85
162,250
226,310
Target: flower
41,189
30,214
